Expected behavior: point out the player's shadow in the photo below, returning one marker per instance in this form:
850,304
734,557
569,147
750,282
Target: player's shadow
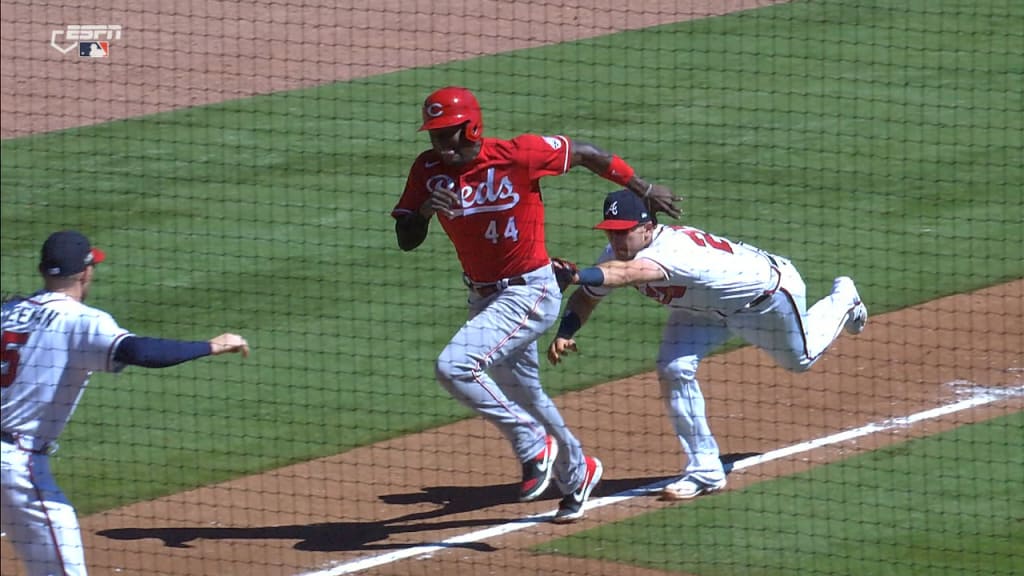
359,535
729,460
373,535
323,537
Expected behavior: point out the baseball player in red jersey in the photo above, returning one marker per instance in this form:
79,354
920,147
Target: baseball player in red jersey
486,194
714,288
52,343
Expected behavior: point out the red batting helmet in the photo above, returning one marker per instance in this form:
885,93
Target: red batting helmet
452,106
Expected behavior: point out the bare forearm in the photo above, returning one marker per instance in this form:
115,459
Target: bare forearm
600,162
615,169
618,273
577,312
582,304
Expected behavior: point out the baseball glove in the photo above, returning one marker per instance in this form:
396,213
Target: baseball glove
565,272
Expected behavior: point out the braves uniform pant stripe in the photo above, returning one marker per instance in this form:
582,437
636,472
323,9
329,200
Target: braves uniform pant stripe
803,329
800,324
42,502
478,369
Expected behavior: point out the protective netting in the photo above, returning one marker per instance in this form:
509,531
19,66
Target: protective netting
243,167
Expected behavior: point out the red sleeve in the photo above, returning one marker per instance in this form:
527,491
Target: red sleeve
545,155
415,193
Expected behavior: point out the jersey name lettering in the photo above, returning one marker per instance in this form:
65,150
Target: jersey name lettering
27,318
488,198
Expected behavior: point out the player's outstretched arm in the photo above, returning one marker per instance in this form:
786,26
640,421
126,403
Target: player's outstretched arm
615,169
164,352
616,273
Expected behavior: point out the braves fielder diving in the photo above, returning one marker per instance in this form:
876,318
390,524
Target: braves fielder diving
52,343
713,288
486,194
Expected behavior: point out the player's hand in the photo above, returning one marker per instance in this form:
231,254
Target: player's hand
444,199
661,199
566,273
559,348
227,343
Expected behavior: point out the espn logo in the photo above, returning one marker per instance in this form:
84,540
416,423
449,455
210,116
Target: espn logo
92,40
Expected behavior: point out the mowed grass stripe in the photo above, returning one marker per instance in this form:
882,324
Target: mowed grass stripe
941,505
853,140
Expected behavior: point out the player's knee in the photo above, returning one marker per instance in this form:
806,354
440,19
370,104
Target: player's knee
447,371
677,369
444,371
676,376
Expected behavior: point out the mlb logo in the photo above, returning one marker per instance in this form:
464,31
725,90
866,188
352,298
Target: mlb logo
94,49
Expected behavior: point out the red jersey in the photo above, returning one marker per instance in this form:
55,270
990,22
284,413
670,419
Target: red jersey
498,231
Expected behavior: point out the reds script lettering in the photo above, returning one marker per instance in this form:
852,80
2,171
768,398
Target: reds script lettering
485,198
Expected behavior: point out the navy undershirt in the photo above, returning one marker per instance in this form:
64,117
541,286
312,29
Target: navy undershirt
158,352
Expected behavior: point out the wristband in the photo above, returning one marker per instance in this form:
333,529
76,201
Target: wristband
570,324
618,171
592,276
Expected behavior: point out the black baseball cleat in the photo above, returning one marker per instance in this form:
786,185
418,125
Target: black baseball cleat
537,471
570,509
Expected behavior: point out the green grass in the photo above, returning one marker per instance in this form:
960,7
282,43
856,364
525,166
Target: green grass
943,505
880,140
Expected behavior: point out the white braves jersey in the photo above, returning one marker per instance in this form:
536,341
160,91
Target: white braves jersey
51,345
703,273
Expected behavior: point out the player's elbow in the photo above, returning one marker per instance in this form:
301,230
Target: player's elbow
408,245
408,242
411,231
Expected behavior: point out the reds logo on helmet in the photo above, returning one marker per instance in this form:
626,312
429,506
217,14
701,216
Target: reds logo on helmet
453,106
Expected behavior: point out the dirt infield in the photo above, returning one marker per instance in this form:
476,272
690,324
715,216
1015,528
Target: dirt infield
180,53
424,488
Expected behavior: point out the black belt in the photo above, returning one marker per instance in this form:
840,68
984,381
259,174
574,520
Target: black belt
490,288
756,301
8,438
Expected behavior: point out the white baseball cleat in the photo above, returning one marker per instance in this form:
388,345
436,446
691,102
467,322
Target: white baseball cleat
857,315
856,318
689,487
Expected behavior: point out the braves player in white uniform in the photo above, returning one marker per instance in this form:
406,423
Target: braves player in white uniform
486,194
714,288
52,343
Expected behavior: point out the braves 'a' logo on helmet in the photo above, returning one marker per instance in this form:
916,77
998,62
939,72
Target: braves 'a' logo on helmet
453,106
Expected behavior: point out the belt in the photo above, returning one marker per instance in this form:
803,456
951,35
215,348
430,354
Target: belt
490,288
767,293
8,438
756,301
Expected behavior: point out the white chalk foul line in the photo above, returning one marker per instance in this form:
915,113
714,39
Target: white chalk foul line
981,397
